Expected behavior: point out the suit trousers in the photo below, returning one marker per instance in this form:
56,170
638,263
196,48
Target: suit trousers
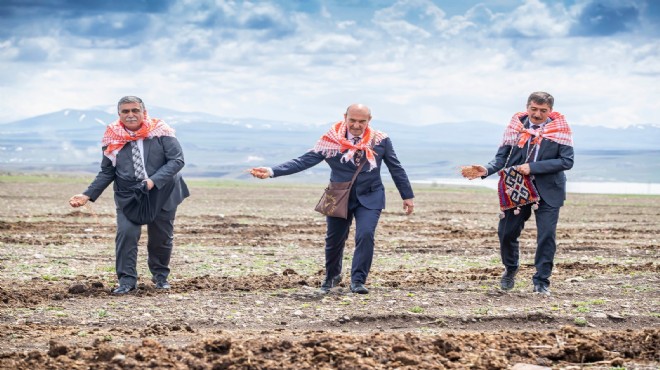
366,221
510,228
160,234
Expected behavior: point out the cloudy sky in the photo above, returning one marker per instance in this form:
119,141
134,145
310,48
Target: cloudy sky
412,61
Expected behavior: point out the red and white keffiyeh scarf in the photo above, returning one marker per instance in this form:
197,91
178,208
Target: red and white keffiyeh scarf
334,142
556,130
116,136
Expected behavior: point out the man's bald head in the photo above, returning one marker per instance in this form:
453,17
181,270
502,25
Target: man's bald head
359,108
357,117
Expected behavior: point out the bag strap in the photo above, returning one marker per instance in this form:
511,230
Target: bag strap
356,172
509,156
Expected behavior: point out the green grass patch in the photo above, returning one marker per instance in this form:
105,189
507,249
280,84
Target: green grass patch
583,306
580,321
582,309
416,309
482,310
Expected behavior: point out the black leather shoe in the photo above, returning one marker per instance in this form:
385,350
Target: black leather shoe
359,288
508,279
541,289
163,284
330,283
123,289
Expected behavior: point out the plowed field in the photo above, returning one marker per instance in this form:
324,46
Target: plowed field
248,261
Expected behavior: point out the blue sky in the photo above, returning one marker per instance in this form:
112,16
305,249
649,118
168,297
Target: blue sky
412,61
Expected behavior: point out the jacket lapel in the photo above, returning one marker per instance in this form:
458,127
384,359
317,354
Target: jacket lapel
146,145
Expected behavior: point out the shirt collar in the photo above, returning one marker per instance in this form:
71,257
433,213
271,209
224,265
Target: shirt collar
350,136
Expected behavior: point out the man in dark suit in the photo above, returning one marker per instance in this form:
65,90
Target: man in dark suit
346,144
539,142
140,151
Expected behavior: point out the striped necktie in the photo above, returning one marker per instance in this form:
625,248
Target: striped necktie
137,161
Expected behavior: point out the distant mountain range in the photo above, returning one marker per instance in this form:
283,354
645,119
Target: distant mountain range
69,141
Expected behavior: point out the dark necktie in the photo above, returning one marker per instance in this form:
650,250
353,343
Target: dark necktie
358,153
530,148
137,161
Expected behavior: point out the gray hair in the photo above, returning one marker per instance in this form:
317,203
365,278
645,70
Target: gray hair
130,99
540,97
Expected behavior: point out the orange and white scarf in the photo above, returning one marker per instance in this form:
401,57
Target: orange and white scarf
556,130
334,142
116,136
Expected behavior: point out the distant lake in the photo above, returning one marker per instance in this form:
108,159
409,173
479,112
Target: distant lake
572,187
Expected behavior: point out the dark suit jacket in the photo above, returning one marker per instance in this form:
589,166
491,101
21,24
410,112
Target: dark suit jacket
368,184
163,161
548,169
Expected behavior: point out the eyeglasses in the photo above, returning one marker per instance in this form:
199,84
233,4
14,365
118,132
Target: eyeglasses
127,111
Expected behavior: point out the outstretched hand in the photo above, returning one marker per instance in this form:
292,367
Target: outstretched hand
78,200
473,171
260,172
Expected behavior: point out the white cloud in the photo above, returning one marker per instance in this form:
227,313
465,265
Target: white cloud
533,19
254,158
331,43
419,19
325,13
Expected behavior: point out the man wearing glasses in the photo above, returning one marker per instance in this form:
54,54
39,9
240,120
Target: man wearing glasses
140,154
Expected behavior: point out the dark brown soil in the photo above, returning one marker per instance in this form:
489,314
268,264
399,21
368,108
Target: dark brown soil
248,261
